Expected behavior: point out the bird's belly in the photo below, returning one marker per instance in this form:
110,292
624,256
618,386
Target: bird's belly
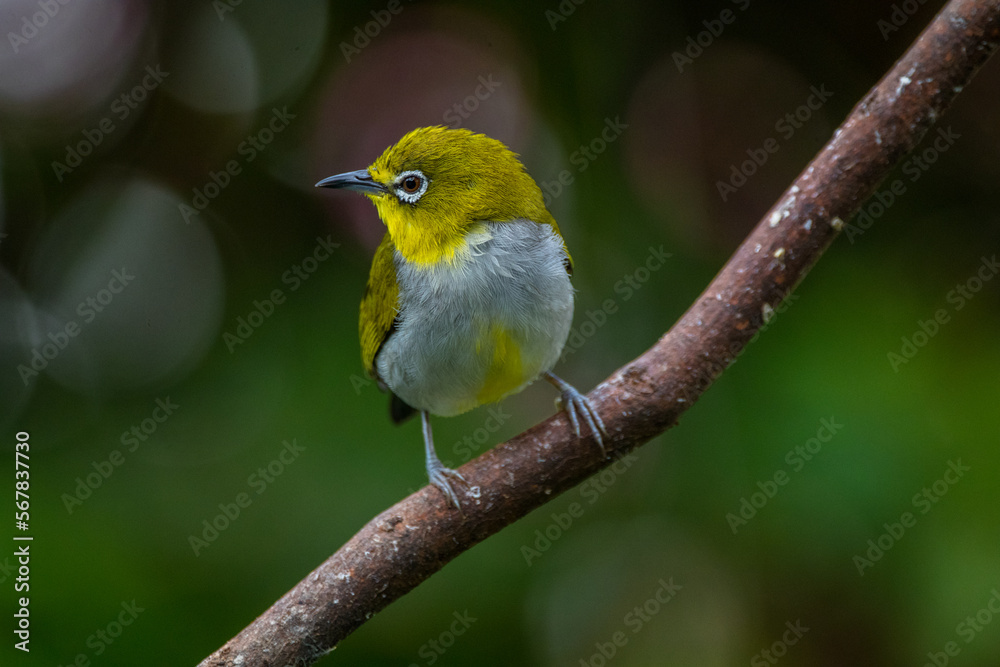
474,334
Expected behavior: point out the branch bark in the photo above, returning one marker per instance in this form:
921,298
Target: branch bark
415,538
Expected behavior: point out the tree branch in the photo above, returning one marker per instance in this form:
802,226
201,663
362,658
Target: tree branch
415,538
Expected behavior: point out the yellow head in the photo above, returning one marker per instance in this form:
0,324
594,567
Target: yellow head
436,184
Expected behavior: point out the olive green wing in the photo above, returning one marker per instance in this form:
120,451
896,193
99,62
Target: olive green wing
379,305
545,217
379,310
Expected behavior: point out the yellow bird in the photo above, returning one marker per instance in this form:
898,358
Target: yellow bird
469,296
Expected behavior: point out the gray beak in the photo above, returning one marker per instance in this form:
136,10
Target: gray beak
359,181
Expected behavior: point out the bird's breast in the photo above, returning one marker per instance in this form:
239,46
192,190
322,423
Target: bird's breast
483,326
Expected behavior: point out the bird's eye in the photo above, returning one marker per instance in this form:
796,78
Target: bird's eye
411,185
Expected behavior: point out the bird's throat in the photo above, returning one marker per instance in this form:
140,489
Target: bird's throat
444,242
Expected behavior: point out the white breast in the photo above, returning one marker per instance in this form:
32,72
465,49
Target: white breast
514,276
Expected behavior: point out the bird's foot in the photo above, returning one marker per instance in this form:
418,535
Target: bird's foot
576,404
439,476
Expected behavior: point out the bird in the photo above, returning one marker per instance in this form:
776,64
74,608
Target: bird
469,297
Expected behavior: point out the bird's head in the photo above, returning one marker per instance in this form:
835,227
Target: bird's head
435,185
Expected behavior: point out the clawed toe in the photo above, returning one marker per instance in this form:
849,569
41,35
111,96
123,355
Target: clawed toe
439,478
576,404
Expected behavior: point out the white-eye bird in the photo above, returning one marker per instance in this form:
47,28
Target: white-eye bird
469,296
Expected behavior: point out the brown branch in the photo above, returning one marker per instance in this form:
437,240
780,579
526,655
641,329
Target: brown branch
415,538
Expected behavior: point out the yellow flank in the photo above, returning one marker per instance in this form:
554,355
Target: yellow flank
505,373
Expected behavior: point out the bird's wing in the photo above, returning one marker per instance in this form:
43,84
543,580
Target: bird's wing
379,313
546,218
379,305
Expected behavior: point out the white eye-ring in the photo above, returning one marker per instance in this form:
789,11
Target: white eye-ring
411,185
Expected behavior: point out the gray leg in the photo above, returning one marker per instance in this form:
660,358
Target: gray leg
436,471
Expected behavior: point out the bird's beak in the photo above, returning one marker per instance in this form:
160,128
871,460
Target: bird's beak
359,181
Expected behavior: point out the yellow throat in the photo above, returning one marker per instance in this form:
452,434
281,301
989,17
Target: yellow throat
475,178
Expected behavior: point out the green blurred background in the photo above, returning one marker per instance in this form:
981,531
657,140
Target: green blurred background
116,116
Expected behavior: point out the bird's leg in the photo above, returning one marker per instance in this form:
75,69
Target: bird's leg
437,471
573,402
